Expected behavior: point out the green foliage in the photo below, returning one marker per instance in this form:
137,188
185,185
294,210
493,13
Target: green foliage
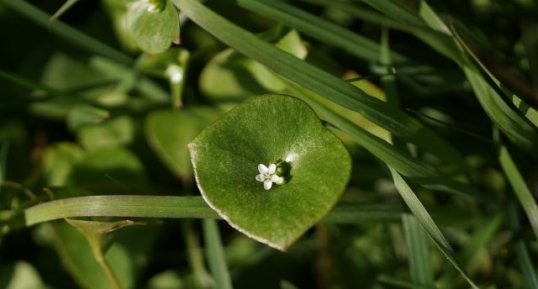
279,130
154,25
375,144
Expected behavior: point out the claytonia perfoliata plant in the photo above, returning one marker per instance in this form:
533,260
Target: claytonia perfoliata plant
268,176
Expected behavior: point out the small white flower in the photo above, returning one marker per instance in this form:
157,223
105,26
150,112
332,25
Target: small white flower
174,73
268,176
152,7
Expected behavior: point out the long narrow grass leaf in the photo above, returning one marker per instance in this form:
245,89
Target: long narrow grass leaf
509,121
318,28
529,112
215,255
119,206
396,11
319,81
400,160
67,4
522,253
525,263
418,251
130,206
420,212
481,238
25,82
520,188
66,32
394,156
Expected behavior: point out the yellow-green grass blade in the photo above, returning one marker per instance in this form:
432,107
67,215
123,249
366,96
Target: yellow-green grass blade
215,255
319,28
418,251
138,206
507,119
319,81
529,112
522,253
520,188
419,211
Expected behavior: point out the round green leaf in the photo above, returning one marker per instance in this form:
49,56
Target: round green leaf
272,129
170,131
154,28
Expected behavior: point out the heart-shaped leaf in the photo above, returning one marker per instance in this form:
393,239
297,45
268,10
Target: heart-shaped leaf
312,168
153,25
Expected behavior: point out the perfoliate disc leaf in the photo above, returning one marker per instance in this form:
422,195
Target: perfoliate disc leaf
312,168
153,28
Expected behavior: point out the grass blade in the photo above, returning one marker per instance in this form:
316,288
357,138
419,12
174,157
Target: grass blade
67,4
319,81
119,206
509,121
481,238
68,33
522,253
422,215
389,154
26,83
529,112
525,263
396,157
419,253
176,207
215,255
318,28
521,189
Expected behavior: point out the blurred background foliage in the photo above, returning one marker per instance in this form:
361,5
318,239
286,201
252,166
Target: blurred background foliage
99,116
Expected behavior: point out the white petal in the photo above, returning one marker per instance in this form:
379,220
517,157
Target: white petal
267,184
272,168
262,169
277,180
260,178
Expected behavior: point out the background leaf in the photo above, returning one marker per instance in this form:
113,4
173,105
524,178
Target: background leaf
154,28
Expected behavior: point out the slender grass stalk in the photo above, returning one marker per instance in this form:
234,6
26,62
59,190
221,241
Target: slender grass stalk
179,207
521,251
422,215
419,252
120,206
318,28
521,189
319,81
215,255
